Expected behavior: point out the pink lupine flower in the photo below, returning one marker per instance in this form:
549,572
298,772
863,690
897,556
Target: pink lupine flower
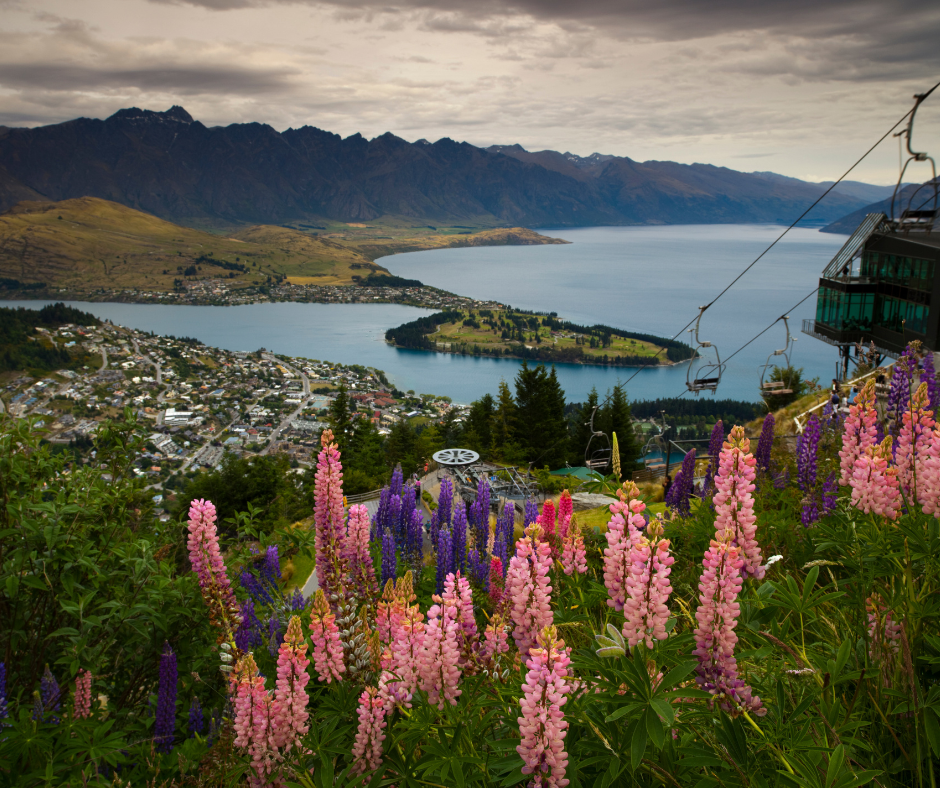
356,552
860,431
252,717
495,641
573,554
917,423
367,749
648,588
327,648
734,503
928,472
440,658
289,711
884,634
83,695
206,558
389,612
565,511
329,518
547,520
457,593
625,526
529,589
496,581
542,726
406,654
715,638
875,482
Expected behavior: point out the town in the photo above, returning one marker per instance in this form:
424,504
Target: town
201,402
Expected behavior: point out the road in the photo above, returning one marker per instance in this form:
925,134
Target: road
104,360
285,423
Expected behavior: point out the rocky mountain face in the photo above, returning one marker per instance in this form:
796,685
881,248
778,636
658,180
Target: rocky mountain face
172,166
910,196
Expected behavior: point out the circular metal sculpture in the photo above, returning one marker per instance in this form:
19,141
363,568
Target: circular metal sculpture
455,457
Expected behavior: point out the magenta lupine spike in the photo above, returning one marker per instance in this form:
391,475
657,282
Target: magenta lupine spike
406,650
207,562
542,726
440,659
327,648
625,526
715,638
497,581
358,557
529,588
547,519
859,432
252,706
734,502
565,511
648,588
289,713
916,424
83,695
573,554
457,593
329,519
367,748
875,482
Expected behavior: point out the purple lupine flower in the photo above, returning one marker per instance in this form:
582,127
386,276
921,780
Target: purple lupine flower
258,591
480,569
928,375
165,724
408,506
782,480
445,558
380,522
531,514
271,566
197,720
215,726
396,482
810,512
248,634
394,516
899,394
415,540
459,536
445,500
275,636
296,601
807,450
389,567
38,711
433,529
481,516
3,692
502,538
50,695
681,490
765,444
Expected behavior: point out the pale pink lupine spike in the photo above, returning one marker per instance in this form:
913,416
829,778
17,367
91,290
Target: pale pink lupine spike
917,423
289,713
440,657
367,748
356,552
573,553
734,501
529,588
327,648
875,482
457,593
83,695
715,638
406,655
625,526
329,519
495,642
928,472
252,717
542,726
209,566
860,431
648,588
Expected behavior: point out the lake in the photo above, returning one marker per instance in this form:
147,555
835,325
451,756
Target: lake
649,279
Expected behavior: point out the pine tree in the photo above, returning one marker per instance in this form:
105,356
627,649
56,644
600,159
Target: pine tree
541,429
616,417
581,430
340,418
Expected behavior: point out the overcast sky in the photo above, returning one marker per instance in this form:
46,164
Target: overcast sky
800,87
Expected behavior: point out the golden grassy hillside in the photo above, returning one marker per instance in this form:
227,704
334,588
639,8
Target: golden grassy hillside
88,242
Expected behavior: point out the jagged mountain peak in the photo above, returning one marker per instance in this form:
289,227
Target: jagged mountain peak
174,114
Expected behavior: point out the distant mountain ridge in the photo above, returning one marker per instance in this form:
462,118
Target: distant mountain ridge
172,166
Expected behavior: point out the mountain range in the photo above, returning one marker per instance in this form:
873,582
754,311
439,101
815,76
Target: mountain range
174,167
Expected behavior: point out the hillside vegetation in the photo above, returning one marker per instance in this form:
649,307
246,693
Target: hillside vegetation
88,242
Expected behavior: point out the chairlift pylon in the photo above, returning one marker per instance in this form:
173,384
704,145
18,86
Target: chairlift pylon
600,457
709,374
911,217
770,388
655,443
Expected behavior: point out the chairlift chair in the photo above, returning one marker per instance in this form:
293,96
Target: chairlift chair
709,374
598,452
919,217
770,388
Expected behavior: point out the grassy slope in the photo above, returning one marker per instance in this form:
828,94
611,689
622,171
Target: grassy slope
88,243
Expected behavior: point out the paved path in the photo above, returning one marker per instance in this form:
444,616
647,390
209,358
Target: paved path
285,423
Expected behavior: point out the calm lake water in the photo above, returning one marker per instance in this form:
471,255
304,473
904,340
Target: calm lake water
649,279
